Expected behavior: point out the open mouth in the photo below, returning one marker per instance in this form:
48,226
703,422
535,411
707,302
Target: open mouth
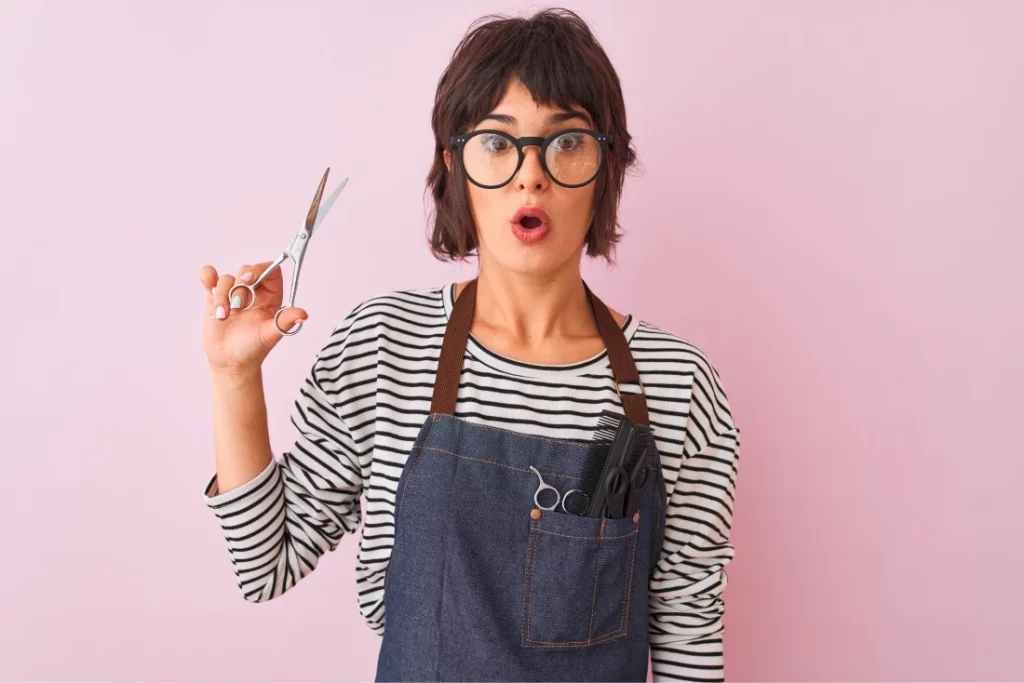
530,222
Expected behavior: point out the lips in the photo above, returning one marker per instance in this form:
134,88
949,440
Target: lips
530,224
530,217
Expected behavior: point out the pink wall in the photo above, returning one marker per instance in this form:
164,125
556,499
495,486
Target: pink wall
831,209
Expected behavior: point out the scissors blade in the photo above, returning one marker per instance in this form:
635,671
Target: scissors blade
326,206
315,206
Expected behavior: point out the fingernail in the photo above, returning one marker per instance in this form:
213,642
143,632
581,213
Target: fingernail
236,302
221,313
246,277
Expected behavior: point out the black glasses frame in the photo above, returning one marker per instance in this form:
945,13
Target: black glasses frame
604,140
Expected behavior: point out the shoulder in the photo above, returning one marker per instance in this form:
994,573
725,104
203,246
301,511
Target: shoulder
399,309
394,304
357,339
664,358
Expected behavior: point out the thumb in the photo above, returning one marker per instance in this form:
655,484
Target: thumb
286,321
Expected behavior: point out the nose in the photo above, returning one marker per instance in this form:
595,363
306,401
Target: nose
531,175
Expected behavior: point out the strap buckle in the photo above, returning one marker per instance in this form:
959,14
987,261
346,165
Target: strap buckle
642,392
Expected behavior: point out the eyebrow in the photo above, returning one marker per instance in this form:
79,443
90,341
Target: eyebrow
557,117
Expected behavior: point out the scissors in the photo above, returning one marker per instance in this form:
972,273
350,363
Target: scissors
295,251
558,496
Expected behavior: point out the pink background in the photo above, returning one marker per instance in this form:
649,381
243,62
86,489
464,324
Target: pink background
830,209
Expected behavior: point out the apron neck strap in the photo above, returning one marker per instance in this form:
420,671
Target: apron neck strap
456,334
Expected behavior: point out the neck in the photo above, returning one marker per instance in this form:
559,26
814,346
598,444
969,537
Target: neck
529,310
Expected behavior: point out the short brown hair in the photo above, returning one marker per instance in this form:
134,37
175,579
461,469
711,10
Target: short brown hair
559,60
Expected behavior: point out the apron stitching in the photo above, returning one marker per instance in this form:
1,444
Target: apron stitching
497,464
624,603
526,581
399,510
586,538
440,598
629,585
509,467
414,462
548,643
560,442
597,574
576,643
532,565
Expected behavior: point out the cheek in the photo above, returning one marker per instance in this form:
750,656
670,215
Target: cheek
487,207
477,204
582,207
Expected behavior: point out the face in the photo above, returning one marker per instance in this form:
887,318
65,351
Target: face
569,210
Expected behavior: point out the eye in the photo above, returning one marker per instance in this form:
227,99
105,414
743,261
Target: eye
568,142
494,143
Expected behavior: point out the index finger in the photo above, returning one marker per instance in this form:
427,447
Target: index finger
271,283
208,276
256,269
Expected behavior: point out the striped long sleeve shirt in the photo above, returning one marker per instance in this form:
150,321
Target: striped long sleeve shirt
367,394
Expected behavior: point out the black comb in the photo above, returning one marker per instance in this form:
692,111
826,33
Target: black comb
616,447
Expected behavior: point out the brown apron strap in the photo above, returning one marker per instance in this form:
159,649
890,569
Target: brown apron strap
456,334
453,351
623,368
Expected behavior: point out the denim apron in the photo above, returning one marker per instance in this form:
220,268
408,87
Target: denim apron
482,585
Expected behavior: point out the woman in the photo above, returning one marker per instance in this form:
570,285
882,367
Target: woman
448,407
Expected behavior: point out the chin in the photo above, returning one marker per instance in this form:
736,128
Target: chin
545,256
533,261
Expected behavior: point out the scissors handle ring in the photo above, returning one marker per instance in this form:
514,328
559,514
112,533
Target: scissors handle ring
544,487
252,299
295,328
566,497
252,294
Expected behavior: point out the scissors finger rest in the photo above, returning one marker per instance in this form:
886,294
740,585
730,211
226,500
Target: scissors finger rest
558,497
252,299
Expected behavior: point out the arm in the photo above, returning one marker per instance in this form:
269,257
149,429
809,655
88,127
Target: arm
280,517
686,604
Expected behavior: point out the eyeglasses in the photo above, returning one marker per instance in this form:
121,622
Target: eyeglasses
572,157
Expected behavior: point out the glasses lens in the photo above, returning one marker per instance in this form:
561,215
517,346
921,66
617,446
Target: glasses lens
573,157
489,158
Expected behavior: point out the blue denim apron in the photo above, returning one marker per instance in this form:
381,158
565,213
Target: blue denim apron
482,585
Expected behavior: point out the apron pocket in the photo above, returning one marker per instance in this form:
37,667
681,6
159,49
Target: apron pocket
579,571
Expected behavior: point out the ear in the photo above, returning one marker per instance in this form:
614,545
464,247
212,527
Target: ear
448,160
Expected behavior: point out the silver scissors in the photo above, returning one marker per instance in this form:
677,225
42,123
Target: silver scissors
558,496
295,251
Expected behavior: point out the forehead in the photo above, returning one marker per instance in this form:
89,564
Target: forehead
517,108
518,100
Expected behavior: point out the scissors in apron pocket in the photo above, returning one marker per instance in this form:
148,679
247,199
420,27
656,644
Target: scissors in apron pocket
558,497
295,251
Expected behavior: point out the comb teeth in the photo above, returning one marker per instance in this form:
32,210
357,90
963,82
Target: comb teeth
609,424
604,437
644,437
607,427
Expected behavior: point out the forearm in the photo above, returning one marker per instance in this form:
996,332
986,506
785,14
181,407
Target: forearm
240,431
687,598
687,659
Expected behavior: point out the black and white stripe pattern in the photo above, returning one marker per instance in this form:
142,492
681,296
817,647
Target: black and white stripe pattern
362,405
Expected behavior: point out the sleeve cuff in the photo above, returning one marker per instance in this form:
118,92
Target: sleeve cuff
213,498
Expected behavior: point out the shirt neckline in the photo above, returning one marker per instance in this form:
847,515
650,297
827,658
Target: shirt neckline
518,367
